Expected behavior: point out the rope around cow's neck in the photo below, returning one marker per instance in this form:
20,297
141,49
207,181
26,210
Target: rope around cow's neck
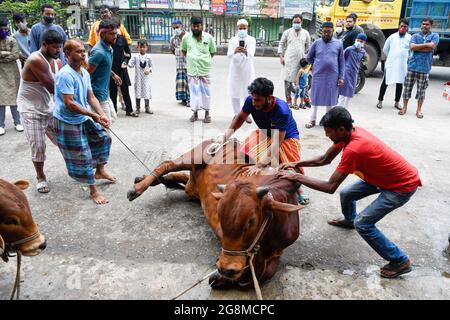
255,279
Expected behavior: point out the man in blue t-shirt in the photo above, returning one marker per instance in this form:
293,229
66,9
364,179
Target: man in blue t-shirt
100,67
277,140
422,46
82,140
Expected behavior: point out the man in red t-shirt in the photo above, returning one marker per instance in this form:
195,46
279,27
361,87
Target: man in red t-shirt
381,169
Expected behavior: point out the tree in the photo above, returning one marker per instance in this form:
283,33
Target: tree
32,8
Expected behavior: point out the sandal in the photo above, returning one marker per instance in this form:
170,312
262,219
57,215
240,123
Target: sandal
193,118
402,111
303,199
310,125
42,187
393,269
207,119
343,223
419,115
132,114
295,107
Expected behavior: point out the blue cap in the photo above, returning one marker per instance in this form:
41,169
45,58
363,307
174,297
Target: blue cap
362,36
176,21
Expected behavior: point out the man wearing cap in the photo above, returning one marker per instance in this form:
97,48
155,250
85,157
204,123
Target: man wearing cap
199,47
294,45
327,57
182,87
382,171
241,50
353,56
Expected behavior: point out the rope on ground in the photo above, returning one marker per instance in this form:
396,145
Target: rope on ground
194,285
255,279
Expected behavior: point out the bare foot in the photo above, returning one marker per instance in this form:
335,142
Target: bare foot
98,198
104,175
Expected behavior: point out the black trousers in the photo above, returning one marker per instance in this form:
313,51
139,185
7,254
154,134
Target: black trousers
398,90
125,94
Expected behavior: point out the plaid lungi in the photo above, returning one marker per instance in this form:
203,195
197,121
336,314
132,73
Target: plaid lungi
182,87
36,126
257,143
199,89
83,147
422,85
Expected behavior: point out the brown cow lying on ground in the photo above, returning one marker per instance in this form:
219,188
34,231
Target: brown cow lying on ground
18,232
237,207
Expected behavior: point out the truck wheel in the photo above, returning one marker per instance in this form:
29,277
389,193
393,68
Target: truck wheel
360,81
371,58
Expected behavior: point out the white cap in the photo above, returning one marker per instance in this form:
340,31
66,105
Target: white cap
242,21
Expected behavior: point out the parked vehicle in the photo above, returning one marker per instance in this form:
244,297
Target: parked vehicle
380,18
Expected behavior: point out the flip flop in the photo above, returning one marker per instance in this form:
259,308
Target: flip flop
41,186
303,199
310,125
402,111
419,115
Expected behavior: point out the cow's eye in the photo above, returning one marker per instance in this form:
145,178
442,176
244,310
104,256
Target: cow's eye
251,222
11,221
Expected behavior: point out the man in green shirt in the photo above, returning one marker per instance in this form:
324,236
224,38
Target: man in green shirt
199,47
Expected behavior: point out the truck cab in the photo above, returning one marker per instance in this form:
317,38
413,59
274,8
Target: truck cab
376,17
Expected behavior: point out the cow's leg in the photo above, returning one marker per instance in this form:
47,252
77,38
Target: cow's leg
154,178
175,180
188,161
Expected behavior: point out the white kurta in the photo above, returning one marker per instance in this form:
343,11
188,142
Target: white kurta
142,88
396,49
242,70
294,46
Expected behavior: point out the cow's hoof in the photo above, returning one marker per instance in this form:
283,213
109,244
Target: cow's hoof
138,179
216,281
132,194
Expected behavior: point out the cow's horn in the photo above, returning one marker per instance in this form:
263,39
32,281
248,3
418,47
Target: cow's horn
221,187
262,191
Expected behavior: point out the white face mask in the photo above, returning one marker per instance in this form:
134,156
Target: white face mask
358,45
177,32
297,26
338,30
242,33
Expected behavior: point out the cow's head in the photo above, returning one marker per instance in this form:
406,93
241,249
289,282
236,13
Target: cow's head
17,227
243,209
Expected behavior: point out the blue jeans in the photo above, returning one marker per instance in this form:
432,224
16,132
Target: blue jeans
15,114
365,221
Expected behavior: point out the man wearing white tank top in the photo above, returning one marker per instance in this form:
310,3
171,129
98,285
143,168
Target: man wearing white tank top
35,100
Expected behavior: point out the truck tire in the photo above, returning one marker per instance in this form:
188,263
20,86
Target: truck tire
360,81
371,58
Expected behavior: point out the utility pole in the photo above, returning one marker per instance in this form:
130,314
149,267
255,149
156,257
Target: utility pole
281,7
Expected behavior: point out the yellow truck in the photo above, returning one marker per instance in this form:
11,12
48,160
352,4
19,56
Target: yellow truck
380,18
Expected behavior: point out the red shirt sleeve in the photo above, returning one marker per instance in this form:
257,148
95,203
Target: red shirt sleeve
348,162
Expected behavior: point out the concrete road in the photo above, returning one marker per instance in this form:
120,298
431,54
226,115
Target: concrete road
160,244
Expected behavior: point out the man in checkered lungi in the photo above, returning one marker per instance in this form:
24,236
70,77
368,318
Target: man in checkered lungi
182,87
35,100
422,46
82,140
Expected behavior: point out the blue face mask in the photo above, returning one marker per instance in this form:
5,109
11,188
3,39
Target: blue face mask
297,26
358,45
3,34
242,33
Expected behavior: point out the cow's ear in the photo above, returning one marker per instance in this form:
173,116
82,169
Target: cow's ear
217,195
283,208
22,184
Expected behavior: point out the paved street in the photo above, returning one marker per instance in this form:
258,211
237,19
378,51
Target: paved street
160,244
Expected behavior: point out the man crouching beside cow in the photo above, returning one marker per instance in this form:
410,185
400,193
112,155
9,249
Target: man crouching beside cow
382,171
